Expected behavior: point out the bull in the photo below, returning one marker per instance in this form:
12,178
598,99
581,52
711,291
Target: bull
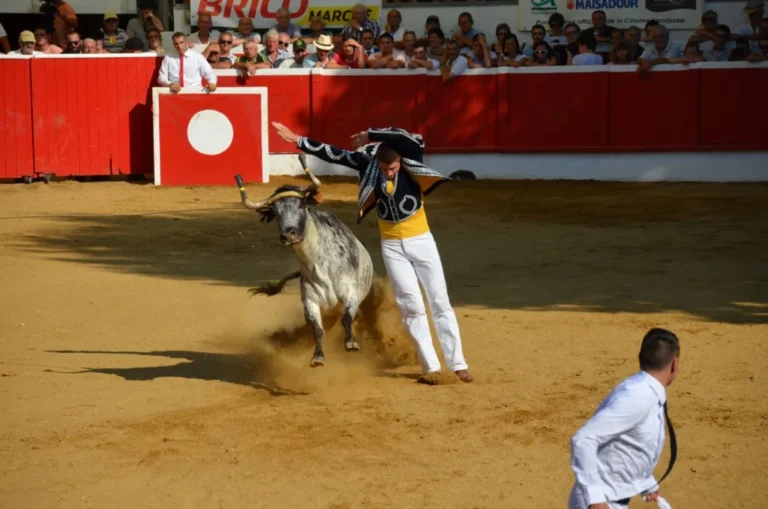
334,266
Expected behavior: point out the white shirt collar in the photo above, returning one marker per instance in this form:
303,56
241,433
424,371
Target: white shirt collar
657,387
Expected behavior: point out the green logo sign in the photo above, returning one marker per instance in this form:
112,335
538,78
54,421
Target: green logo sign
543,5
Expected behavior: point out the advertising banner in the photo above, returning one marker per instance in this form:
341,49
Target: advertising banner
227,13
673,14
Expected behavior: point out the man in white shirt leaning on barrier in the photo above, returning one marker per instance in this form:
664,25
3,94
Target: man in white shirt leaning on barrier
614,454
185,68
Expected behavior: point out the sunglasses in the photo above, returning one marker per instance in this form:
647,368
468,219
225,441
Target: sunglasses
225,42
284,44
541,52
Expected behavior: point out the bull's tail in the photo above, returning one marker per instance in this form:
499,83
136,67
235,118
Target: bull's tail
273,288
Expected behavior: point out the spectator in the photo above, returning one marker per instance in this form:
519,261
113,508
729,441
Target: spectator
706,34
338,45
218,55
64,22
284,45
366,41
99,38
250,60
5,46
512,56
89,46
719,50
204,33
587,55
300,60
323,47
74,44
226,58
762,55
271,53
317,27
360,22
600,30
114,37
409,44
621,54
138,26
466,32
245,32
542,56
632,38
660,51
43,45
480,56
691,54
572,32
387,56
502,30
420,58
617,36
751,31
185,69
556,26
538,34
649,28
739,53
133,45
455,63
436,48
432,22
394,20
352,56
155,42
27,42
284,24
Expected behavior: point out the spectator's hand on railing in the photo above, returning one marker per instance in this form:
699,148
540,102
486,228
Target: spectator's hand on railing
175,87
211,87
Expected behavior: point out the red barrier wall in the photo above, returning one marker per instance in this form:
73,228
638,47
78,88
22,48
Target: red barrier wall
93,116
733,111
345,103
16,153
289,101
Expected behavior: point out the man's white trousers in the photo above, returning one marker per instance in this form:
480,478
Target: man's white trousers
408,262
576,500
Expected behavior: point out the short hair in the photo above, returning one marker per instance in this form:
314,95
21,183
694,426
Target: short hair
283,10
569,25
556,17
271,33
599,11
386,154
662,29
651,23
540,27
134,43
387,35
438,32
658,349
250,42
366,31
588,40
633,28
694,45
176,35
453,42
152,30
466,15
421,44
503,26
724,28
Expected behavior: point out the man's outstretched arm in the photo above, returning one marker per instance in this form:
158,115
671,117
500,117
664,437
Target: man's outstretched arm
328,153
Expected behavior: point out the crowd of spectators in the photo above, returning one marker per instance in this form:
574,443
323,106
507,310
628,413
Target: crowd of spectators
364,43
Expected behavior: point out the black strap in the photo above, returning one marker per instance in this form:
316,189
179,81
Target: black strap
672,445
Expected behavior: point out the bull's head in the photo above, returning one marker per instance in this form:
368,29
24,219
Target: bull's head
288,204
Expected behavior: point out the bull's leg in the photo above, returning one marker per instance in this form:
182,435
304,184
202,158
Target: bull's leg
350,343
313,316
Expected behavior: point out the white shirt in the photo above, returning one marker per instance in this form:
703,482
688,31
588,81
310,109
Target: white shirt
613,455
213,36
2,31
195,67
35,53
671,51
587,59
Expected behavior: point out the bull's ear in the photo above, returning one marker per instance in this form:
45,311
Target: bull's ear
266,215
313,198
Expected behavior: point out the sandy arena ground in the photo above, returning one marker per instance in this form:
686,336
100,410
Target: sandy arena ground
136,372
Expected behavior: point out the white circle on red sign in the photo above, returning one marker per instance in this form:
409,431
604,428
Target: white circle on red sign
210,132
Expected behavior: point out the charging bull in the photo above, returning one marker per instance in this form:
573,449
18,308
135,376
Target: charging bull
334,266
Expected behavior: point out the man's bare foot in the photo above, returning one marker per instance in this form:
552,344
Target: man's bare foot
464,375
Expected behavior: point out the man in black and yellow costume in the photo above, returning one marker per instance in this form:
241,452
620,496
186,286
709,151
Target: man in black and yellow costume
407,246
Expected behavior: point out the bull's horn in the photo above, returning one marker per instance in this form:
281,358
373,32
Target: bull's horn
303,161
244,196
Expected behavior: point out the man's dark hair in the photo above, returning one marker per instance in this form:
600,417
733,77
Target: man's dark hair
133,44
539,27
588,40
387,35
386,154
177,35
599,12
438,32
366,31
556,18
652,23
421,44
724,28
466,15
659,348
569,25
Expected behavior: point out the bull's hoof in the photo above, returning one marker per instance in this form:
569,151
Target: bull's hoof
268,289
352,346
317,361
